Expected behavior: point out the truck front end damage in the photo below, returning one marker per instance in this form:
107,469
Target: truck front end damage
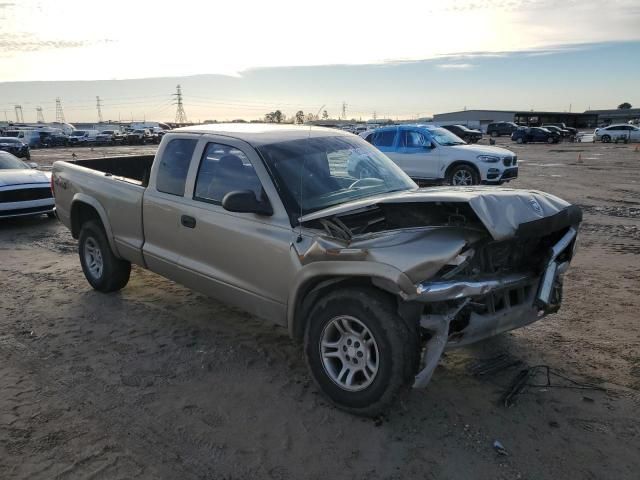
477,262
461,311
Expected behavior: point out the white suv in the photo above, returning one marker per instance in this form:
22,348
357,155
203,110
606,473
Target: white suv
431,154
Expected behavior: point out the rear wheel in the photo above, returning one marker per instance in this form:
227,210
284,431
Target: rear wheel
606,139
520,140
463,175
103,270
359,351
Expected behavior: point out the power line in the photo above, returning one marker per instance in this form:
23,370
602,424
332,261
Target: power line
181,116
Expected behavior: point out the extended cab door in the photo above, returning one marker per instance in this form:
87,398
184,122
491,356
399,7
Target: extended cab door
241,258
416,154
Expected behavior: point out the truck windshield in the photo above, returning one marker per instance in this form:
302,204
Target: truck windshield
317,173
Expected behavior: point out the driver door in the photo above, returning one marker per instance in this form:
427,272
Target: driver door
416,154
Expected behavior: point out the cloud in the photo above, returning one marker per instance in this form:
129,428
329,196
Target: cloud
456,66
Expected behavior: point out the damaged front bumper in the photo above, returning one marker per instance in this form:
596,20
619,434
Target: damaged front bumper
481,308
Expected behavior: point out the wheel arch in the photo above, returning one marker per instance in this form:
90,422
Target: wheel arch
85,208
308,292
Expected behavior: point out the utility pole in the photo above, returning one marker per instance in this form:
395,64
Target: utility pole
99,107
39,115
344,110
375,116
59,112
19,115
181,116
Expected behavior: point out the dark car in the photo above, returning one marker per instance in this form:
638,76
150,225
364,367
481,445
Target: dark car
571,131
53,139
15,146
466,134
138,137
558,130
535,134
501,128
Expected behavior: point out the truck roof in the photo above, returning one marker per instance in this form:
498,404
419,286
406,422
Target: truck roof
263,133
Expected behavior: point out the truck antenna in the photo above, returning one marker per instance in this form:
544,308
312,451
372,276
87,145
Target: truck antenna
304,161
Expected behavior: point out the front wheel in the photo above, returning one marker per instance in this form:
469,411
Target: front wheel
103,270
359,351
463,175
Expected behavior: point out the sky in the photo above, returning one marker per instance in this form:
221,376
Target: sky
241,59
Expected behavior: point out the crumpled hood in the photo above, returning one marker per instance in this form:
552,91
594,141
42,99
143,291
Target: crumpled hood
23,176
501,210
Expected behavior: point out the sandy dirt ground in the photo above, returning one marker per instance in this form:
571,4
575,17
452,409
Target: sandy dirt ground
159,382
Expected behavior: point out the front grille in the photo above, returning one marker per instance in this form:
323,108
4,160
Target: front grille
509,161
25,194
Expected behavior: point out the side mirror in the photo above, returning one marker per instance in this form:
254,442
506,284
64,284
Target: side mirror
245,201
33,164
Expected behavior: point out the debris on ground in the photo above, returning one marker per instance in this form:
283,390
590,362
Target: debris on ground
499,448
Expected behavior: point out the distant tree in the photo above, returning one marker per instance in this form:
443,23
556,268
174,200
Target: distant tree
277,116
325,115
624,106
269,117
299,116
311,117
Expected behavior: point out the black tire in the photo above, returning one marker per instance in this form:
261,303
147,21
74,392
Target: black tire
467,139
520,140
552,140
464,167
114,274
606,139
397,347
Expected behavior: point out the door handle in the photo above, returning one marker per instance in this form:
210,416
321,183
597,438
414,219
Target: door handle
188,221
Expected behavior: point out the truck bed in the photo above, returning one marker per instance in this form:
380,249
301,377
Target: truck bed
131,168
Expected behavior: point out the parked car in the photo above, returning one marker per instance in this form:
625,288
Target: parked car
83,137
535,134
138,136
30,137
23,189
558,130
53,139
367,272
467,134
617,132
430,154
498,129
571,132
109,137
15,146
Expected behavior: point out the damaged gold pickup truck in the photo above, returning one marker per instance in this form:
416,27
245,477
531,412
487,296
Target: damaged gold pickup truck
316,230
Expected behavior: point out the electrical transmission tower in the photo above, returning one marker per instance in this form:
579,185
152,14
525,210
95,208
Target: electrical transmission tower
19,115
40,116
181,116
344,110
99,107
59,112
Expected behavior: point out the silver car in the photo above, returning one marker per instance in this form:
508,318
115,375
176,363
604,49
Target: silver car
24,190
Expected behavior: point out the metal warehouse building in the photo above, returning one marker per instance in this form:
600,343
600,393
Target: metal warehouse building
482,118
